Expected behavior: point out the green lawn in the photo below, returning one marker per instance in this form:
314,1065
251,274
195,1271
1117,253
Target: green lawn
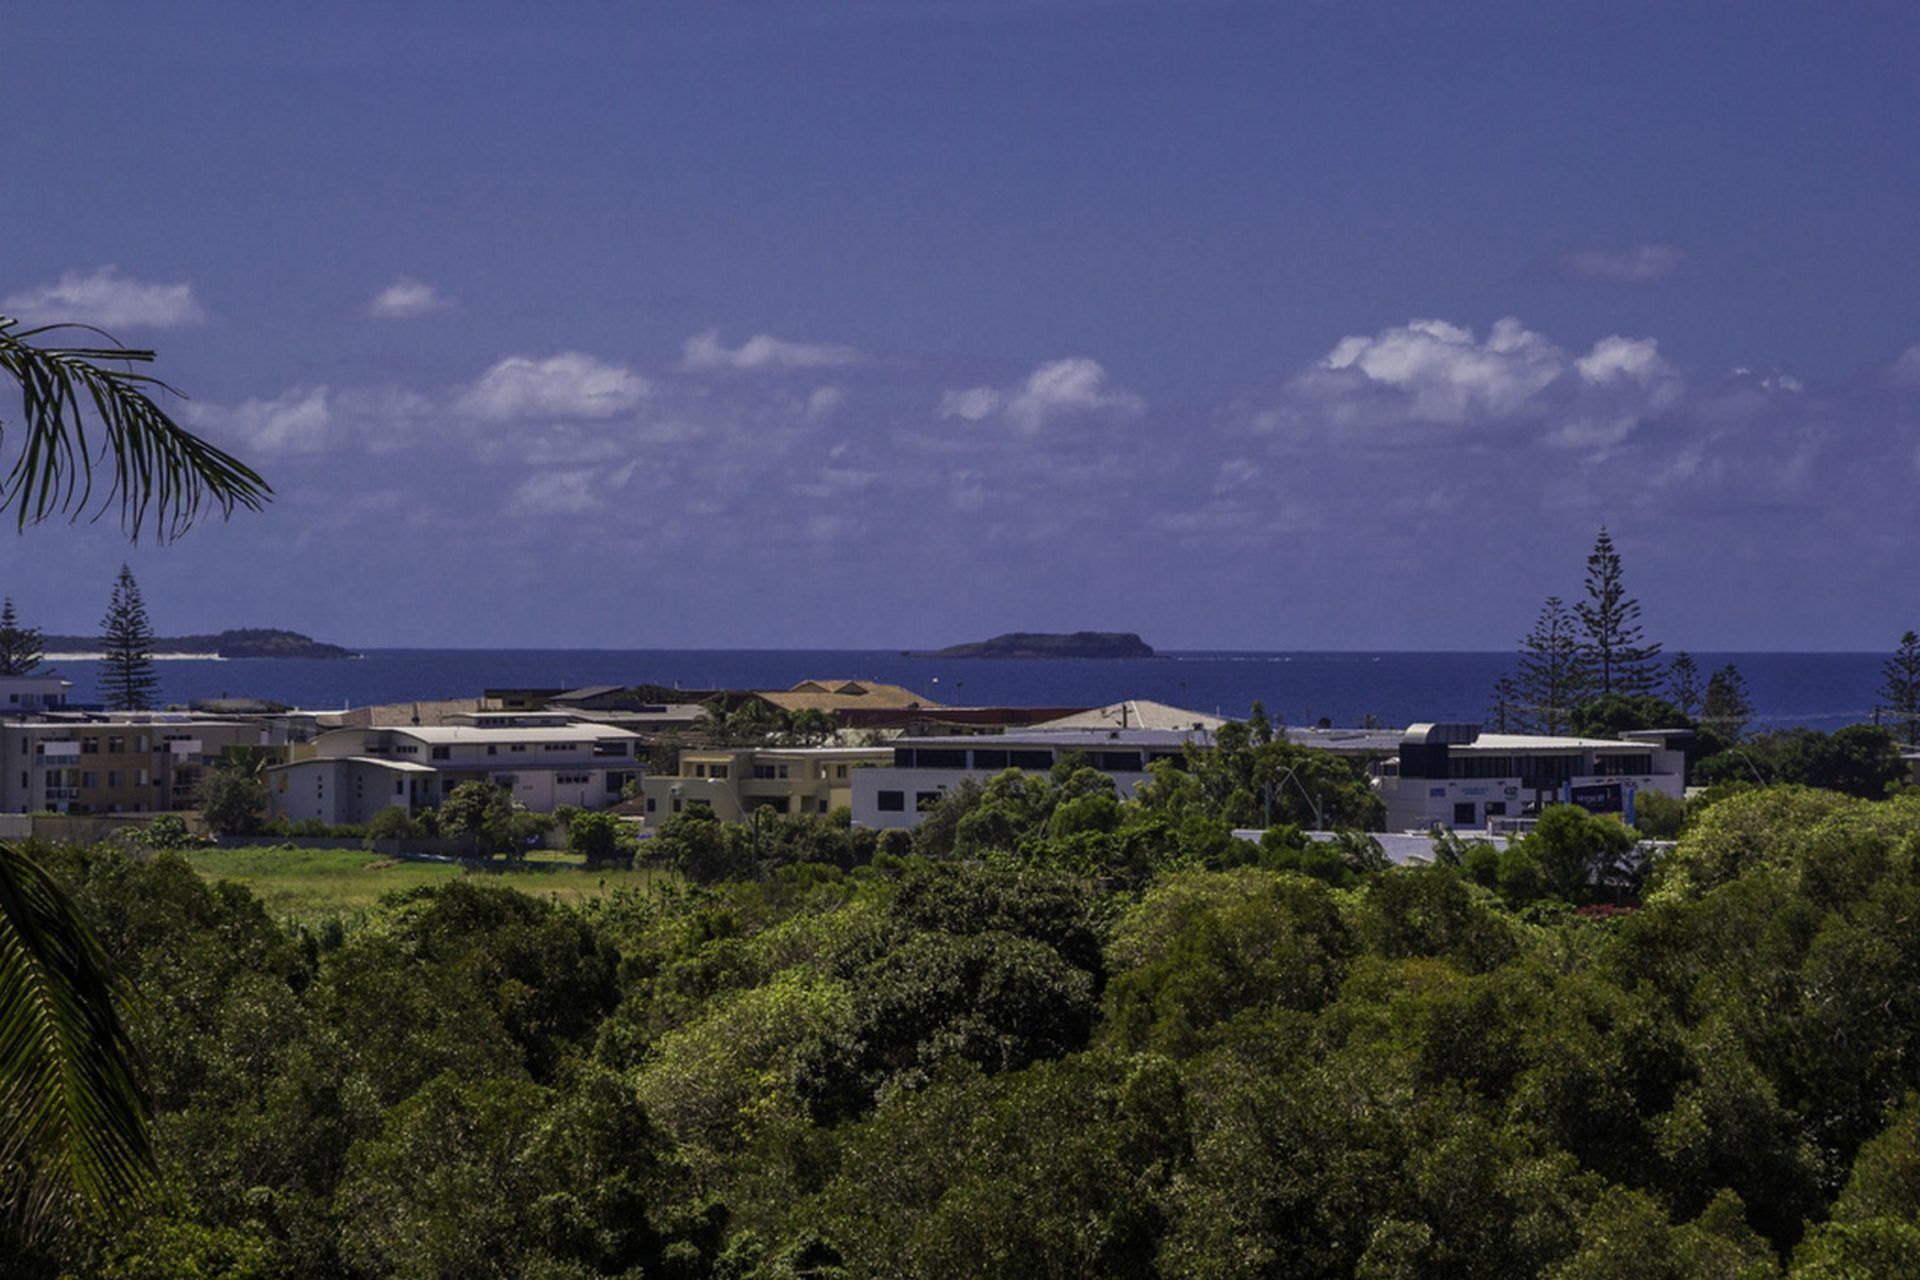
308,884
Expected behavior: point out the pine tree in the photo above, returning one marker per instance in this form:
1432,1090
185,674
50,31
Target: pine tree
1726,709
1683,684
1503,711
1900,690
1553,680
1612,645
19,646
127,639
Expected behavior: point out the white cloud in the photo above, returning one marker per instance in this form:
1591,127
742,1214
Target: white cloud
972,404
1629,359
1637,264
823,403
106,298
1905,369
1073,386
1440,371
296,421
705,351
556,493
407,299
569,385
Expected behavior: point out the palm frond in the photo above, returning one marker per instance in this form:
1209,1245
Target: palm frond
163,476
75,1122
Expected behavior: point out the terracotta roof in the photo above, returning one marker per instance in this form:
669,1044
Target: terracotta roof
844,695
399,715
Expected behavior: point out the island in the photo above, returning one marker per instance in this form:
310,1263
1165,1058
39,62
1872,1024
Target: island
1043,644
244,642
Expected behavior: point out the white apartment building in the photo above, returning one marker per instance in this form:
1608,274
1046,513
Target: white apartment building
733,782
896,794
348,775
1453,775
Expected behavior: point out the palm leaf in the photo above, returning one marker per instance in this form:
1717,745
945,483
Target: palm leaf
163,476
73,1122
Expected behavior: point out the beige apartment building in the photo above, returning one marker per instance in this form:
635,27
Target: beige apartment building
734,781
112,763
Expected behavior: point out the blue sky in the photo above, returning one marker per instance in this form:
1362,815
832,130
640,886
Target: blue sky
892,324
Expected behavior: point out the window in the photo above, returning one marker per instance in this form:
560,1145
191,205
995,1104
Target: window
610,748
89,746
1496,809
719,771
840,771
699,771
492,750
113,777
940,758
116,746
443,753
763,771
1030,759
923,800
652,804
399,787
518,746
890,801
1463,814
995,760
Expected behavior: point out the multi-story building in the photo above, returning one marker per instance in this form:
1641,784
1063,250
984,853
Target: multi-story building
734,781
1453,775
920,769
545,760
133,762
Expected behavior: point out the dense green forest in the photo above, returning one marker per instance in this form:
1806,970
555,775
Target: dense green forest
1053,1034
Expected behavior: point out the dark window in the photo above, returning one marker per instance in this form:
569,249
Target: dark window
989,759
443,753
1642,764
1030,759
923,800
940,758
890,801
1463,814
651,804
1496,809
1115,761
903,757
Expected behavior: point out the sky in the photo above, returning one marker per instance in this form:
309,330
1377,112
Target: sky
880,324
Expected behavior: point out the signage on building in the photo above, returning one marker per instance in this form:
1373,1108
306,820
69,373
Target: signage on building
1602,798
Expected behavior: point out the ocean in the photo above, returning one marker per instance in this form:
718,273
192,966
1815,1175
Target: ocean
1819,690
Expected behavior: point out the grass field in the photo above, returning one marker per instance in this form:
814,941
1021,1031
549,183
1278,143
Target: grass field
311,884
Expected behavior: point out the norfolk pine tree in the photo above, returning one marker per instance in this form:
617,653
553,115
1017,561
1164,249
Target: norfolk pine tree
1683,684
126,637
19,646
1612,646
1900,690
1553,680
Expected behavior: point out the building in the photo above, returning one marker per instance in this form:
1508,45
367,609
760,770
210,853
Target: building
735,781
346,775
134,762
1453,775
921,768
1135,713
30,695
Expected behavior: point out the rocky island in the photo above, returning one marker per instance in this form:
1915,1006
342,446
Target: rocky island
1044,644
245,642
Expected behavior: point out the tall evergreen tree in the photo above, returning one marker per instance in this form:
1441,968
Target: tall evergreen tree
1726,709
1612,645
1900,690
1503,707
19,646
1683,684
127,639
1553,680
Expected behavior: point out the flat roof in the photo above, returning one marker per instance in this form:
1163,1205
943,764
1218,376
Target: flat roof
1071,739
397,766
445,733
1512,742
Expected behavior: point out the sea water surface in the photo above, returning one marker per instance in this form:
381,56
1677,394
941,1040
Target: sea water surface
1819,690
